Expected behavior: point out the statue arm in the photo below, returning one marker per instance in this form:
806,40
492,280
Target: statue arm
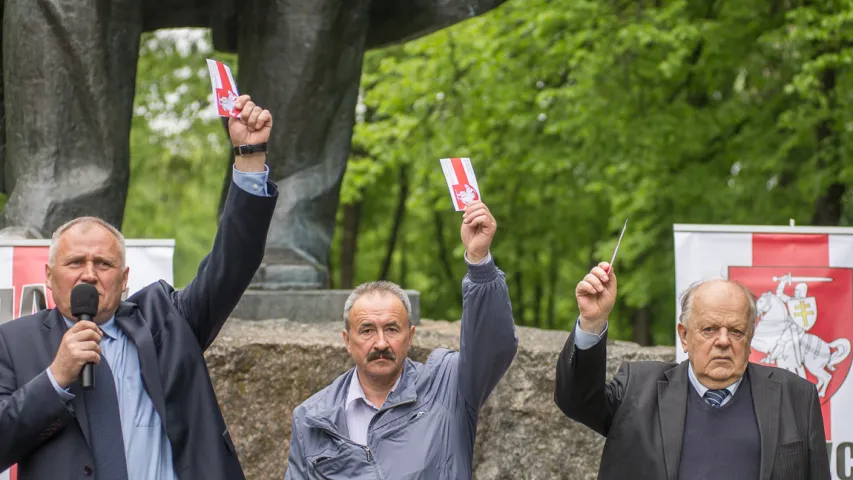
394,21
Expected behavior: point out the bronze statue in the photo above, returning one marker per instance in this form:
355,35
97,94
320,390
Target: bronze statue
69,69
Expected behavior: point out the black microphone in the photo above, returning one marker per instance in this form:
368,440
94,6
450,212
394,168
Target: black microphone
84,306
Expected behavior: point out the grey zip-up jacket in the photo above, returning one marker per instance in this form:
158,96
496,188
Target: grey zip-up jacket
426,428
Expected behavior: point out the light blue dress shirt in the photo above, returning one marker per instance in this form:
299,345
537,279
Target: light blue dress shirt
146,446
359,410
585,340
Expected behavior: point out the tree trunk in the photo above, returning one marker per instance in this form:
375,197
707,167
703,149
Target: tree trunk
349,243
828,206
553,273
398,221
537,302
641,321
518,280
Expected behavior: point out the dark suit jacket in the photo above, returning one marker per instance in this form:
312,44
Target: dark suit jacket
171,329
642,410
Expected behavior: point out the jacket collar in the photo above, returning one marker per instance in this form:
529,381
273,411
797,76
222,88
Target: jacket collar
329,411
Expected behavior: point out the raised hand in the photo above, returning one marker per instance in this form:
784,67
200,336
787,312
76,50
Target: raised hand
596,295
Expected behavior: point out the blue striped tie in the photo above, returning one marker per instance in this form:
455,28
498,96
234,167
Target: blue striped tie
715,398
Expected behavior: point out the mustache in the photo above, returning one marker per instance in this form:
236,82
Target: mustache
377,354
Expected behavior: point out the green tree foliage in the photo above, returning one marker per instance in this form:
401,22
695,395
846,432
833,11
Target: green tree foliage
580,114
577,114
179,148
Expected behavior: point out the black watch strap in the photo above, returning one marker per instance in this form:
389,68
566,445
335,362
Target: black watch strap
240,150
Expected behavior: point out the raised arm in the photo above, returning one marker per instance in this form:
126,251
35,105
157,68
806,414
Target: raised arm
488,342
581,391
238,249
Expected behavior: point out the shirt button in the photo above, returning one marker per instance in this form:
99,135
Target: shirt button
87,470
255,187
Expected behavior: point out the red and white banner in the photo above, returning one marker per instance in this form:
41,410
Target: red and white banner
23,291
802,278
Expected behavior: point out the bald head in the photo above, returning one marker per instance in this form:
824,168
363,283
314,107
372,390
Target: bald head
715,295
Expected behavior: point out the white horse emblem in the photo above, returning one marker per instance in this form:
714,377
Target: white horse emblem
227,103
468,196
782,334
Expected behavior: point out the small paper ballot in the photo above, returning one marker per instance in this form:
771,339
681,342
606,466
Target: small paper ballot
461,181
224,88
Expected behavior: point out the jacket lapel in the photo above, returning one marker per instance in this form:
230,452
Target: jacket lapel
672,409
130,321
766,399
56,328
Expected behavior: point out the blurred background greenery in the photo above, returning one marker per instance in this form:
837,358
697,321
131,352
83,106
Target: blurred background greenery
576,115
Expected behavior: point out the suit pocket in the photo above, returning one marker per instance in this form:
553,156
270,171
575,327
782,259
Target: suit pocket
340,463
790,461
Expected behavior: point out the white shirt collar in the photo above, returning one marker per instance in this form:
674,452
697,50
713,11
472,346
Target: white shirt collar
701,389
355,391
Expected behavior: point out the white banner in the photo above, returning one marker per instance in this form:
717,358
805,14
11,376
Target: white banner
802,278
22,287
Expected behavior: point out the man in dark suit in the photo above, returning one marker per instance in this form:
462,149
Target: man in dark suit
713,416
153,413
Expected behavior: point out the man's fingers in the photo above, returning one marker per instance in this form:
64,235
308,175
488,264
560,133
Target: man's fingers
264,119
253,117
246,111
83,325
87,335
91,357
600,273
584,288
594,281
88,346
241,101
478,220
469,215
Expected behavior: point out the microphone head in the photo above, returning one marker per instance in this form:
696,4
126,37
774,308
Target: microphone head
84,300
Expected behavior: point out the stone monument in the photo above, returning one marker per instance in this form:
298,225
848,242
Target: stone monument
69,69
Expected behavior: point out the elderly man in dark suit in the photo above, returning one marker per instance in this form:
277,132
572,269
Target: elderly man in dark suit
713,416
152,414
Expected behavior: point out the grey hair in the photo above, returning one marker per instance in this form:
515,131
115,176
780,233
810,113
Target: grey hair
380,287
54,239
688,294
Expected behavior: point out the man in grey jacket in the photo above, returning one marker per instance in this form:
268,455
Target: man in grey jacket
390,417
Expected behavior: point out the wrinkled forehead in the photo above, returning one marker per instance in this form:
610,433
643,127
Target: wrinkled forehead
378,308
88,239
720,304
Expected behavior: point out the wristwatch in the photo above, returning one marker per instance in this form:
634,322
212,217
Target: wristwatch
240,150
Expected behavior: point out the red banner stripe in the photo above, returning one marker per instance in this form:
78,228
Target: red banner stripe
790,250
794,250
28,269
459,170
223,77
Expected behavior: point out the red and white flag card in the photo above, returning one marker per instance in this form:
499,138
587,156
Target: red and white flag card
224,89
461,181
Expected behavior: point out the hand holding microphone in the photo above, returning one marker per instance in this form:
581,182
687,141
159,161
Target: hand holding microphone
80,347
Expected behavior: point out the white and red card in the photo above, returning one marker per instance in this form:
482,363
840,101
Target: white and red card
461,181
224,89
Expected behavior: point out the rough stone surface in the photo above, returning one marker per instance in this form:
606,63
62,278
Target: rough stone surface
263,369
304,306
